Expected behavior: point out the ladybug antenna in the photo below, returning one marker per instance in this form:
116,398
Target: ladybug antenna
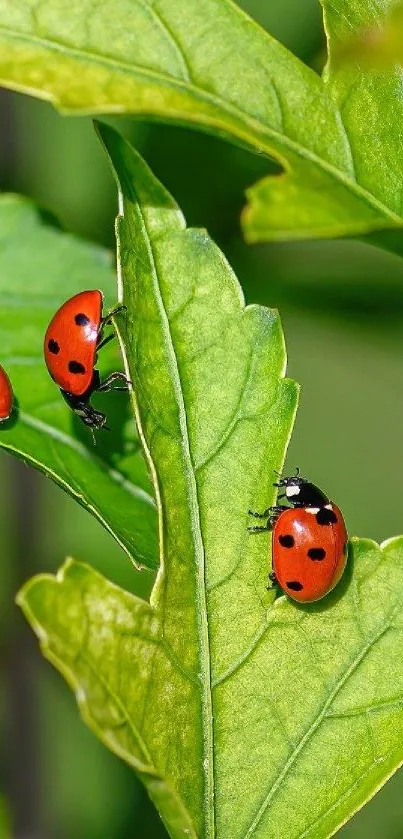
296,471
277,473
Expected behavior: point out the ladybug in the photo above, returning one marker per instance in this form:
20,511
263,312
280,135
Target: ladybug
6,395
72,341
309,540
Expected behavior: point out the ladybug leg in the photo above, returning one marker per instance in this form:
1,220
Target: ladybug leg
107,384
104,341
108,318
260,528
104,322
263,515
270,512
275,511
273,514
272,581
271,520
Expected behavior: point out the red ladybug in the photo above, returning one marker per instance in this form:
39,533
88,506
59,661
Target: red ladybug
6,395
72,341
309,540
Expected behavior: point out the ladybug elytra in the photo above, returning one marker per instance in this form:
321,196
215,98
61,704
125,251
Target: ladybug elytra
309,540
6,395
72,341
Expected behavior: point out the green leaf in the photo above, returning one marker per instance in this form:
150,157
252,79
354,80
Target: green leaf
308,721
205,63
244,718
368,95
215,415
39,267
366,194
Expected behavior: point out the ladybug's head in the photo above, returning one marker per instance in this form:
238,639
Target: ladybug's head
300,492
94,419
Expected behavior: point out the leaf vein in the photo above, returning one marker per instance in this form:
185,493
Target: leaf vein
195,522
170,37
247,122
312,729
335,804
242,658
125,715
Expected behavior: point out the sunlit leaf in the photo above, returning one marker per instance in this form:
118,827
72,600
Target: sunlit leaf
216,415
206,64
308,721
244,717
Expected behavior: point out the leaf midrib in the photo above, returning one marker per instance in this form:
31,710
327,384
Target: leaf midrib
149,765
58,663
199,552
254,125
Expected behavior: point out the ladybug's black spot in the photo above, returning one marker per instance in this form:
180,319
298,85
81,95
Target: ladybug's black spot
81,319
326,516
76,367
294,585
286,541
53,346
316,553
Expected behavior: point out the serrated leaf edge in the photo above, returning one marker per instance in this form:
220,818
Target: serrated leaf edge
21,600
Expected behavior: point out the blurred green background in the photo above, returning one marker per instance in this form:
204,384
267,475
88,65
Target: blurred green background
342,310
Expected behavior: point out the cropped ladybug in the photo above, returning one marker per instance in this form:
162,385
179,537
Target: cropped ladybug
309,540
6,395
72,341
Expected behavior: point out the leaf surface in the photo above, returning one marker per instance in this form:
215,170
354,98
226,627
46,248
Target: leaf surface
368,95
369,106
226,703
308,721
40,267
215,414
205,63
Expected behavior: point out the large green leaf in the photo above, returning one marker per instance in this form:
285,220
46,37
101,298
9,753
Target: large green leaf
308,720
215,415
39,267
205,63
244,718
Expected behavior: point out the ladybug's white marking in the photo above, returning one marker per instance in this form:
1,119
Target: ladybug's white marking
312,510
91,333
292,490
328,506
